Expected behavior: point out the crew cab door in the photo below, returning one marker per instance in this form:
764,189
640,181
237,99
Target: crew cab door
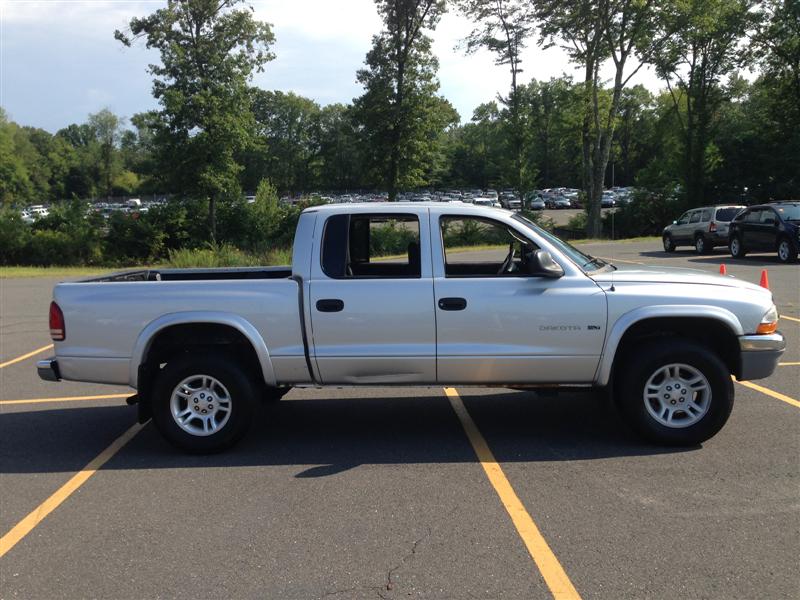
370,299
497,324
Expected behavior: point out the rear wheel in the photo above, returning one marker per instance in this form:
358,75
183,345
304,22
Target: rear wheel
736,246
787,252
203,404
674,392
701,245
669,245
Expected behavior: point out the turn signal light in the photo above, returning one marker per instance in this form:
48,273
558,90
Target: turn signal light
57,329
767,327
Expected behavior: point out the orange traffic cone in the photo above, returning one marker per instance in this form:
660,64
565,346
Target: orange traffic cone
722,269
764,279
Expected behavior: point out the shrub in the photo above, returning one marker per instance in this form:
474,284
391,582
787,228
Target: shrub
132,238
646,214
15,236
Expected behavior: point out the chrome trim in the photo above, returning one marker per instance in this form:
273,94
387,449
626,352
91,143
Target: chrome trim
758,343
48,370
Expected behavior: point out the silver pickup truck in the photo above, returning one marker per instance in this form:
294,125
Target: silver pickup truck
416,294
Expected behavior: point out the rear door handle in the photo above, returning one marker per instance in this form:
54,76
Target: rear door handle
452,303
330,305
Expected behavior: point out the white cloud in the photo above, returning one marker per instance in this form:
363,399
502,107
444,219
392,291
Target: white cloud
67,47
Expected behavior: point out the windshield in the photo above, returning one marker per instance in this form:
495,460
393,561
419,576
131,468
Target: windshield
586,262
788,212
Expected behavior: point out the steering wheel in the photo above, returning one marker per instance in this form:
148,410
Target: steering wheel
509,260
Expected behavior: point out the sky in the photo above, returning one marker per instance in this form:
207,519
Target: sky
59,60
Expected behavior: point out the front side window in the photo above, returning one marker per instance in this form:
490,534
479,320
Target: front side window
684,219
480,247
371,247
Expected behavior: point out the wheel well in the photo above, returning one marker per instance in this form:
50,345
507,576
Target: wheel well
201,337
711,333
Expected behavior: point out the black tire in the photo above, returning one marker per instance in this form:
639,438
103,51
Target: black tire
239,390
644,362
669,244
701,245
787,252
736,247
271,395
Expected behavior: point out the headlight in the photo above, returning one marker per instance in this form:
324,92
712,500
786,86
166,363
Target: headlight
769,322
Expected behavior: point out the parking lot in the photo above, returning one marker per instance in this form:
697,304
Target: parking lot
399,492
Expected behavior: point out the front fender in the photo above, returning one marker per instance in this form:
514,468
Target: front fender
658,311
242,325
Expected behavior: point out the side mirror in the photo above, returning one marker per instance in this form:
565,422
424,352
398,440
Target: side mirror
541,264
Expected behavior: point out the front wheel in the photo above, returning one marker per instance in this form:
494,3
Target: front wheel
787,252
736,247
675,392
669,245
203,404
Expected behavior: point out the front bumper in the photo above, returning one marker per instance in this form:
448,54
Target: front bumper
48,370
760,355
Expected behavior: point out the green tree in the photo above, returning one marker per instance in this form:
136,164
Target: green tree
503,27
209,51
401,116
287,126
697,46
107,130
596,33
339,148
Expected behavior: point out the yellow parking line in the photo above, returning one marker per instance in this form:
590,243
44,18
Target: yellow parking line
26,525
553,573
789,364
64,399
790,318
24,356
769,392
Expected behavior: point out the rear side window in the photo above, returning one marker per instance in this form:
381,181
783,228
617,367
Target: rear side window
768,217
371,246
754,216
695,217
726,214
706,216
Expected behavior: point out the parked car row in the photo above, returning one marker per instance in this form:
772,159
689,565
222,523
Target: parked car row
773,227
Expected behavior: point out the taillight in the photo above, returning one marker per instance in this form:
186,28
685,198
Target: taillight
712,227
57,329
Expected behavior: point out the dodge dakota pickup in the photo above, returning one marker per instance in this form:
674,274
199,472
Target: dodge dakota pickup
473,296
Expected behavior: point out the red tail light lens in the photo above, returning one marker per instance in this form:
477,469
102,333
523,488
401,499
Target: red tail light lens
57,329
712,227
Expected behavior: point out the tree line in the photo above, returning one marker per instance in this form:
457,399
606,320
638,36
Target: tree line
710,135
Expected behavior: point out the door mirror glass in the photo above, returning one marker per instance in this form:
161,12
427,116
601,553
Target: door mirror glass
541,264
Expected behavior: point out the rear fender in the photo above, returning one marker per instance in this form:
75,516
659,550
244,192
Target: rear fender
148,334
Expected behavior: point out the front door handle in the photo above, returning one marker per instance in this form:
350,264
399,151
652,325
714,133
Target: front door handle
330,305
452,303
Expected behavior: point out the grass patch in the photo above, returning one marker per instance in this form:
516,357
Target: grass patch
651,238
226,256
14,272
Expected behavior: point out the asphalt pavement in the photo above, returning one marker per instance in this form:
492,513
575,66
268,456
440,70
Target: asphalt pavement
390,493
